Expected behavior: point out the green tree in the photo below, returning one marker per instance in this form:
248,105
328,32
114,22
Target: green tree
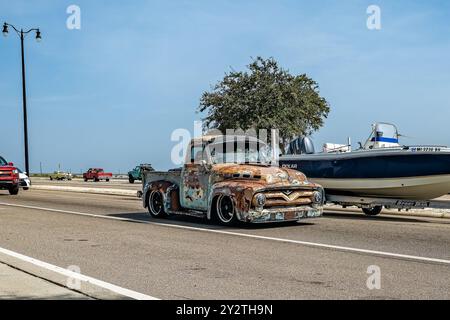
265,96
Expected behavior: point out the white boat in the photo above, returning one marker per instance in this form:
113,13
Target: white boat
382,167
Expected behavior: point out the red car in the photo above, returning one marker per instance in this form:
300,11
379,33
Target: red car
9,177
96,174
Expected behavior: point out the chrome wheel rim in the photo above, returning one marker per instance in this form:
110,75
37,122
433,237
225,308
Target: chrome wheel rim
156,202
225,209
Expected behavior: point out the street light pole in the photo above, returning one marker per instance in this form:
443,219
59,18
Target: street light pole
24,99
22,34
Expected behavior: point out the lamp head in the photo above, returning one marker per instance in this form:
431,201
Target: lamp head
5,29
38,35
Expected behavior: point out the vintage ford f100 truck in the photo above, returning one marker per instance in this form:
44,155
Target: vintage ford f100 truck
230,179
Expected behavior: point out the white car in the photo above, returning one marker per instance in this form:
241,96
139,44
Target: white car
25,182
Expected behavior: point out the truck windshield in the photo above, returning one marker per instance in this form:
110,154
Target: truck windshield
3,162
241,152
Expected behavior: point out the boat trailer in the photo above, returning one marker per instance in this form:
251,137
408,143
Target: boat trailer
373,206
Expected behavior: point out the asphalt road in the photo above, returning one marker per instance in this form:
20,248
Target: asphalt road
187,258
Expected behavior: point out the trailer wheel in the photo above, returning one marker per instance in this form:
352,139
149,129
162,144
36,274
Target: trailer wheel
225,210
156,204
374,211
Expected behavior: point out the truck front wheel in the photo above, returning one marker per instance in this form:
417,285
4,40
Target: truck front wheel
130,179
225,210
14,190
156,204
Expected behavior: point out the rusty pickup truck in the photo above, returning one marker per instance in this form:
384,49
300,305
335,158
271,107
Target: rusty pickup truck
229,179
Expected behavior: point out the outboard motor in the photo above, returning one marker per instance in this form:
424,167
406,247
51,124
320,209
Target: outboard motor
301,145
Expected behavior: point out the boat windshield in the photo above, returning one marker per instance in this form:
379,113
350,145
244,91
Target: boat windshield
383,135
386,131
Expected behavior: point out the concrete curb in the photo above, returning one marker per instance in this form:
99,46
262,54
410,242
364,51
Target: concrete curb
107,191
20,285
88,289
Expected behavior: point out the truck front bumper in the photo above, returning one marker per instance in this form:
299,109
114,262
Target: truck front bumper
7,184
282,214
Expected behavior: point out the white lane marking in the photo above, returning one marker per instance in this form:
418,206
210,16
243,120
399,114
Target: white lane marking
245,235
78,276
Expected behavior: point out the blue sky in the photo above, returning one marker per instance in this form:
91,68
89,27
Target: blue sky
111,94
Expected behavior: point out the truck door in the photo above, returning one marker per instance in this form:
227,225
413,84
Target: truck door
195,180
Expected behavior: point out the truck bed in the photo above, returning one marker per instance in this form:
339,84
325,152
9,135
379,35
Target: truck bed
172,176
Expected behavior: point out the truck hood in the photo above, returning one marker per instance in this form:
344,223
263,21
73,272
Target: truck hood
269,175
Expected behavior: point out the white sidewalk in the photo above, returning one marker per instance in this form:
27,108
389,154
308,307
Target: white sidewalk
16,284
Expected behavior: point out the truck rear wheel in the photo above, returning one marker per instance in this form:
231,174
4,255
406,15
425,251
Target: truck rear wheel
156,204
14,190
374,211
225,210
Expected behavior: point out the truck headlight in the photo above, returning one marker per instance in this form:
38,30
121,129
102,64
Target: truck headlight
260,199
317,197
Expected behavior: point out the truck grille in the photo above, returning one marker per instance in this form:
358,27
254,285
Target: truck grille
287,198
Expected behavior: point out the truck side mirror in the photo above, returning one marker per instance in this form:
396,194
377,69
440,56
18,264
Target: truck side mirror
205,165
